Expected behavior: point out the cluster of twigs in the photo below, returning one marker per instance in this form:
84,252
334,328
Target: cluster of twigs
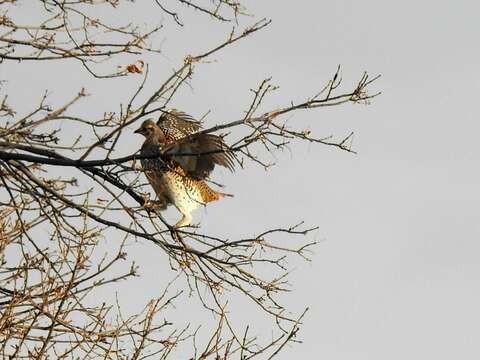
52,224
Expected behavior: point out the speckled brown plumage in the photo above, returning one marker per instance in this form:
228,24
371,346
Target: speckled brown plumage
176,124
176,178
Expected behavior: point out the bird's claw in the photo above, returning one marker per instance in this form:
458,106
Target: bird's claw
154,205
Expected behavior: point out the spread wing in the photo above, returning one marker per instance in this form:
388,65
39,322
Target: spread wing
176,125
198,154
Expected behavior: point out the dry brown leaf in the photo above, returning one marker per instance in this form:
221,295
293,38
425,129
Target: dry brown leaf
136,68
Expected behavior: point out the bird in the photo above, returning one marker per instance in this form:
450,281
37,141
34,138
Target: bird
177,159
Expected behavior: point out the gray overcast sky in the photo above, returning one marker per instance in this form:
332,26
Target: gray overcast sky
396,274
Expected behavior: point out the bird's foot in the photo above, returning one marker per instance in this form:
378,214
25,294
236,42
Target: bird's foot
155,205
184,221
182,227
136,166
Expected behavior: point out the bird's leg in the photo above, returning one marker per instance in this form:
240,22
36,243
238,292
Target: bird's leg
184,221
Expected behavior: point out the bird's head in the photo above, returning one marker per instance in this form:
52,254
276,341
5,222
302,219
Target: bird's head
149,128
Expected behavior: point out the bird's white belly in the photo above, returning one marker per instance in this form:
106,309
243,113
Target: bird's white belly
185,198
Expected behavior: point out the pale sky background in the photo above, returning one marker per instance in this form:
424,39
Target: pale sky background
396,274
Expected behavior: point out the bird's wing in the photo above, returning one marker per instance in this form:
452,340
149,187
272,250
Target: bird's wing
198,154
177,124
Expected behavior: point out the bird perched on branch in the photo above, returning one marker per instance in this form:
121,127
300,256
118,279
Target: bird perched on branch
182,158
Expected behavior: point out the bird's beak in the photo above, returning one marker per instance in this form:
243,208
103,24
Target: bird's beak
138,131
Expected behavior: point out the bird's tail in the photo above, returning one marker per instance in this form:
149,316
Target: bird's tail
208,194
216,195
